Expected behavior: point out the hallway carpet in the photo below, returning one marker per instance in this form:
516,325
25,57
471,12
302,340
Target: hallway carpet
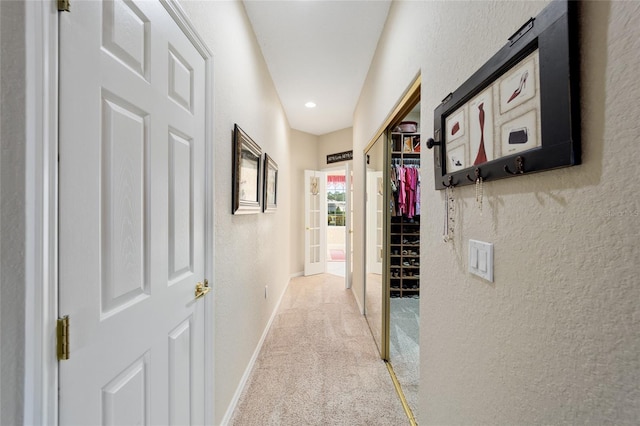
319,364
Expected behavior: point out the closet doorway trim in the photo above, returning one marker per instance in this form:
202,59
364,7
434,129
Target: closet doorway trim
402,108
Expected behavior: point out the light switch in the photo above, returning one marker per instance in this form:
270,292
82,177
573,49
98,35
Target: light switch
481,259
473,253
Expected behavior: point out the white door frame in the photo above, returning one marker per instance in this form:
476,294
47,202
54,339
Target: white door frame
41,256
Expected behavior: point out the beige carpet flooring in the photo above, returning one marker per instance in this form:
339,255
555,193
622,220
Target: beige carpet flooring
319,364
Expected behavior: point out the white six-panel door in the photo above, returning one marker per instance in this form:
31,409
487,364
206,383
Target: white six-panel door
131,195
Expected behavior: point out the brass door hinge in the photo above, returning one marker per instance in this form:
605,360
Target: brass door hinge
62,332
64,5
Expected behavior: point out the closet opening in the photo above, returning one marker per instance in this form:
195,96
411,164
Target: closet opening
404,253
392,243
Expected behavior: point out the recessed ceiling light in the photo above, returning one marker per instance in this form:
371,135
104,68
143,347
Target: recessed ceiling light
310,105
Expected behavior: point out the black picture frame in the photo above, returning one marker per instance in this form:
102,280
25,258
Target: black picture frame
247,173
270,190
547,45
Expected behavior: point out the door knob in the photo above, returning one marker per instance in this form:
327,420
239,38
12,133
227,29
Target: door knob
202,289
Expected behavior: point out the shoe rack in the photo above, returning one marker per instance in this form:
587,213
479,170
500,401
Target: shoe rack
405,257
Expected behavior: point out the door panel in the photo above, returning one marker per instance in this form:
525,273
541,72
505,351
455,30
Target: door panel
124,183
126,397
180,349
126,35
180,206
180,80
131,191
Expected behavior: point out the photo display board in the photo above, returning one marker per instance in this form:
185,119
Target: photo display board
519,113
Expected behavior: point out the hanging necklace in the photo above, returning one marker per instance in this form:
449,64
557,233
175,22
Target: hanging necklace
479,192
445,228
449,213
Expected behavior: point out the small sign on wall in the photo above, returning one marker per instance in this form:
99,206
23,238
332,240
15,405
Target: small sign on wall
340,156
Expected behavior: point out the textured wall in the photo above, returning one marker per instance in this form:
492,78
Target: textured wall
555,339
332,143
251,251
1,227
12,211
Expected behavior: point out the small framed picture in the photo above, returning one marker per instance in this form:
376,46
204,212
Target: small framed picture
247,173
270,202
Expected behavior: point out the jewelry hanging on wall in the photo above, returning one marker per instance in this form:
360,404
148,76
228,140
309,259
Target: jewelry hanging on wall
449,214
445,228
479,192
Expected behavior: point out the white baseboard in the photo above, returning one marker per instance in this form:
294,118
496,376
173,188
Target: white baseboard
297,274
357,301
247,372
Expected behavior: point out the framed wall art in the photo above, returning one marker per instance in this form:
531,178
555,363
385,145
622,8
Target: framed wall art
247,173
519,113
270,202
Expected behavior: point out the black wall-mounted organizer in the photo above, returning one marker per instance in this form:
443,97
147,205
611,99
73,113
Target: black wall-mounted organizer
553,37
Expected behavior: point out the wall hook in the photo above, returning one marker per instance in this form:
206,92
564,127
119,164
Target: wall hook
519,166
477,174
431,143
449,183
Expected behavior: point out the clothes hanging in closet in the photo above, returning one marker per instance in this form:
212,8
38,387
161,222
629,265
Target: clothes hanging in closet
405,186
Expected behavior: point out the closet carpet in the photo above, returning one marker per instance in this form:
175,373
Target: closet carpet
319,364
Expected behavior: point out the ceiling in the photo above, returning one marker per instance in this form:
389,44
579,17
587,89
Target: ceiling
318,51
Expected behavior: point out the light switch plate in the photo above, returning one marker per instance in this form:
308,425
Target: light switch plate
481,259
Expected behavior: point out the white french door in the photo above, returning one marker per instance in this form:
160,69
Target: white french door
315,209
348,265
375,215
132,210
